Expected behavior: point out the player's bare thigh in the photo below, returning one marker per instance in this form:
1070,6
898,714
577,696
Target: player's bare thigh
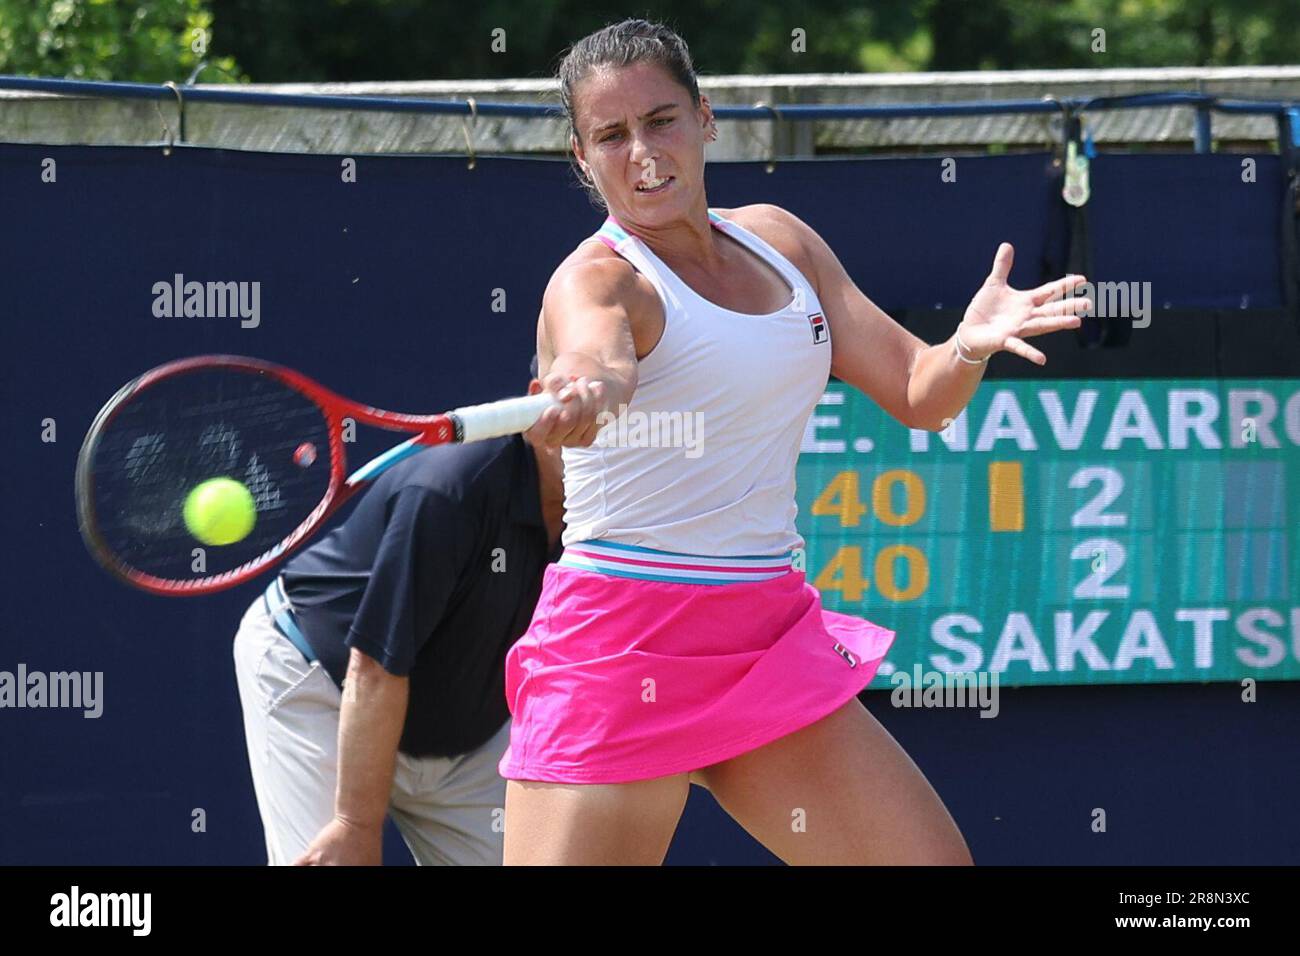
840,791
550,824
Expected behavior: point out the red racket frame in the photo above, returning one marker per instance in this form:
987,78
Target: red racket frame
428,430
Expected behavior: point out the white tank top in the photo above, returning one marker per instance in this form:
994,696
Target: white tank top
702,460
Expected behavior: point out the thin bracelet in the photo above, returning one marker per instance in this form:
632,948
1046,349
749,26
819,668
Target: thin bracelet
959,345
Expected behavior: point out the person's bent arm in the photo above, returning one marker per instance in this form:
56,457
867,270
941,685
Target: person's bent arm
428,541
922,386
370,728
927,386
586,321
371,718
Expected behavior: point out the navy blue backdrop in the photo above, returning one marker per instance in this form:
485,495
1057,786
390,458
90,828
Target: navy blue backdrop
383,289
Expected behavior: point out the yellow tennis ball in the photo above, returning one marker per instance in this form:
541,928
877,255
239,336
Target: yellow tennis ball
220,511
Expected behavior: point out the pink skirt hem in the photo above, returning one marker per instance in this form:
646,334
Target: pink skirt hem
608,774
618,680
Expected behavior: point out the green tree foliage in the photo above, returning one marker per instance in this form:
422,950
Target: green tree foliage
347,40
1056,34
417,39
110,40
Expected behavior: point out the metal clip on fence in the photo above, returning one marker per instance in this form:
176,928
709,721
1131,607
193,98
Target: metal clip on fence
167,130
770,166
465,128
1058,151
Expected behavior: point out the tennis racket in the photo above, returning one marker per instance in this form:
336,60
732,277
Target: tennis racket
276,431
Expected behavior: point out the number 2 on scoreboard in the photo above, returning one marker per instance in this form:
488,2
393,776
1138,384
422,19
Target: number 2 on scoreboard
1106,555
1093,513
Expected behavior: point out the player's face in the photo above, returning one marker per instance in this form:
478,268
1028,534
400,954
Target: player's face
642,140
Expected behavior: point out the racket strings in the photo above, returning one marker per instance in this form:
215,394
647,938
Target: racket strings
168,438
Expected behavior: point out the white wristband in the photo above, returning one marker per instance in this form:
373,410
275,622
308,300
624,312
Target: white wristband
958,345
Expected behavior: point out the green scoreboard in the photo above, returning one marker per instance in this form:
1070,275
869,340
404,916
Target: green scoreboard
1113,531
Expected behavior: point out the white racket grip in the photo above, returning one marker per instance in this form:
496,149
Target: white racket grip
506,417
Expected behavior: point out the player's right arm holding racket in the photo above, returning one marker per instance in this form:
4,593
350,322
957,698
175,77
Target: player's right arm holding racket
598,316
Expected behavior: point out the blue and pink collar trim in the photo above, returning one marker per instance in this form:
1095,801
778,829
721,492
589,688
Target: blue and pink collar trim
613,235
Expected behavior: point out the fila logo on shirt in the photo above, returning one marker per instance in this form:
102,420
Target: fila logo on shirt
818,328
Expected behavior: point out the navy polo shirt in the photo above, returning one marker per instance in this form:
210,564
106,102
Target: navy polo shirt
435,575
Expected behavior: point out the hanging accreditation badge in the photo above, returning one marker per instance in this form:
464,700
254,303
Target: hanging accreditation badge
1076,189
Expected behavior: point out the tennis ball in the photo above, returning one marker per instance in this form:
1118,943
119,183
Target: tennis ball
220,511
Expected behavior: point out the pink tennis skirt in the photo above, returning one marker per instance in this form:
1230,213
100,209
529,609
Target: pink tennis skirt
642,663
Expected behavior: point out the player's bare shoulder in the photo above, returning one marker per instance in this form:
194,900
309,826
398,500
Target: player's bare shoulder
593,262
780,229
593,276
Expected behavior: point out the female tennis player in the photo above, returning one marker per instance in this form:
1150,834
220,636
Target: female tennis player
673,642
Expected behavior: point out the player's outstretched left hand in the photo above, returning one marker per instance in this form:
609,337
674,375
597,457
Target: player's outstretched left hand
1000,318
